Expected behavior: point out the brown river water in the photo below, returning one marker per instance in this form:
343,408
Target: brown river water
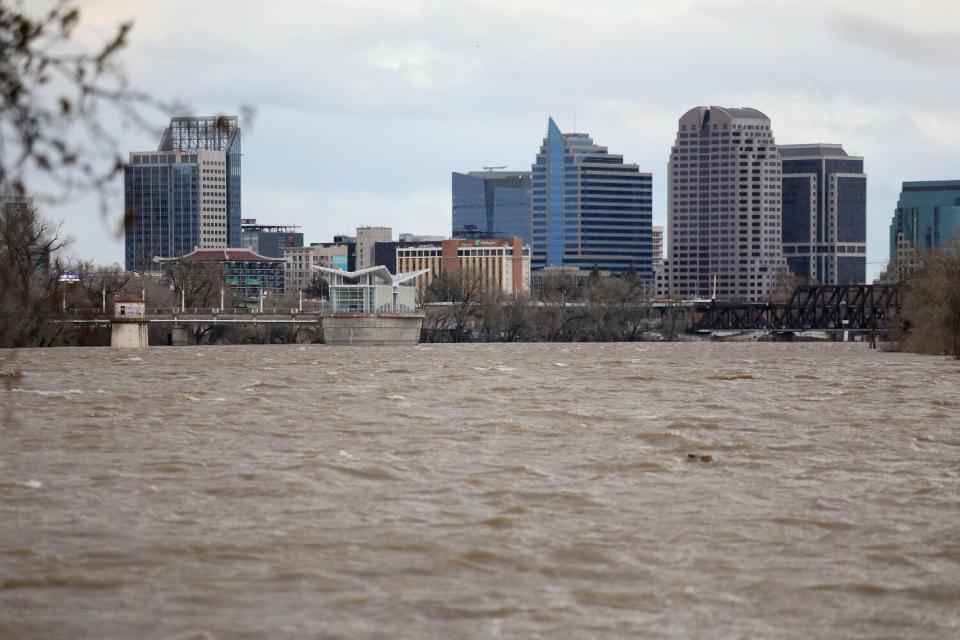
480,491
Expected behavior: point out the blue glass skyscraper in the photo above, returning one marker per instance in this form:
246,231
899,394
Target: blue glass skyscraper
927,217
589,208
491,204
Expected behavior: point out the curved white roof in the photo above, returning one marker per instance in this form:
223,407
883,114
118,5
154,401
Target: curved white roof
378,271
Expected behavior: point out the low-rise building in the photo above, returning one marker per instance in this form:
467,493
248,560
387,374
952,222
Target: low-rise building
495,264
269,239
301,263
244,272
413,237
561,277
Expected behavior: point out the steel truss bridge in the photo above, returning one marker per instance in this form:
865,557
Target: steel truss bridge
865,308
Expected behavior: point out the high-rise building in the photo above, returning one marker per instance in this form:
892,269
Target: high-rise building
589,208
927,217
824,213
724,207
656,245
367,237
491,204
268,239
185,195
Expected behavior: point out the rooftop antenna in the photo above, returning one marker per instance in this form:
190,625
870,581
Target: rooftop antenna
494,168
574,120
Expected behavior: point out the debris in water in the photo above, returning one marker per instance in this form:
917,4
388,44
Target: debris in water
695,457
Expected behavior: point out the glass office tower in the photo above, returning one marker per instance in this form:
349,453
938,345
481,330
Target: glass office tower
185,195
824,213
927,217
162,207
491,204
589,208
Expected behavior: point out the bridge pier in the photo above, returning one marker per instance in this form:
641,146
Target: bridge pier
179,335
128,328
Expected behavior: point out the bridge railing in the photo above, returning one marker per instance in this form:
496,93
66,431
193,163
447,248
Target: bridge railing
86,313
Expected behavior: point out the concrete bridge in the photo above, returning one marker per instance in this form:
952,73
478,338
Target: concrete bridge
180,320
387,326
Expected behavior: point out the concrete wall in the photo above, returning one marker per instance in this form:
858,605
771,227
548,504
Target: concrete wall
372,330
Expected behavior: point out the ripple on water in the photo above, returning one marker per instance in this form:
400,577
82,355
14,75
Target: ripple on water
384,491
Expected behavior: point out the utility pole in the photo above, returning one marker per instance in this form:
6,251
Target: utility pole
301,300
183,301
261,298
104,292
221,297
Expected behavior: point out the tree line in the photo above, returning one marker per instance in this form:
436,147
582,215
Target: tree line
460,309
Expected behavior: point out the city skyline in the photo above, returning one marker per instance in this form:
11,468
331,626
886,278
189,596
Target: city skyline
335,154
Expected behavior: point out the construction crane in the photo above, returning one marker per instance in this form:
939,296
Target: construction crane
494,168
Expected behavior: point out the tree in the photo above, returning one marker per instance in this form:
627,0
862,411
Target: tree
29,275
463,290
197,285
558,288
932,304
97,283
784,285
55,95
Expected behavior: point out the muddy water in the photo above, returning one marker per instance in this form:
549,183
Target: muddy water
480,491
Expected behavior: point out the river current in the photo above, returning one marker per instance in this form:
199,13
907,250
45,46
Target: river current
480,491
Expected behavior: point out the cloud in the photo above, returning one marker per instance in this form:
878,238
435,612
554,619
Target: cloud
924,48
321,216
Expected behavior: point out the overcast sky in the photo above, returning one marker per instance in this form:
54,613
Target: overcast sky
363,108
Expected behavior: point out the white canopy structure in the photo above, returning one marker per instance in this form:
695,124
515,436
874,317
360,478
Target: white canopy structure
370,274
371,290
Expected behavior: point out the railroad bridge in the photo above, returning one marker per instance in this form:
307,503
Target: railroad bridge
855,307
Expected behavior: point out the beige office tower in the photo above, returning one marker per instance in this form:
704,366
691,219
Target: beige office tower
367,237
724,206
213,199
656,244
